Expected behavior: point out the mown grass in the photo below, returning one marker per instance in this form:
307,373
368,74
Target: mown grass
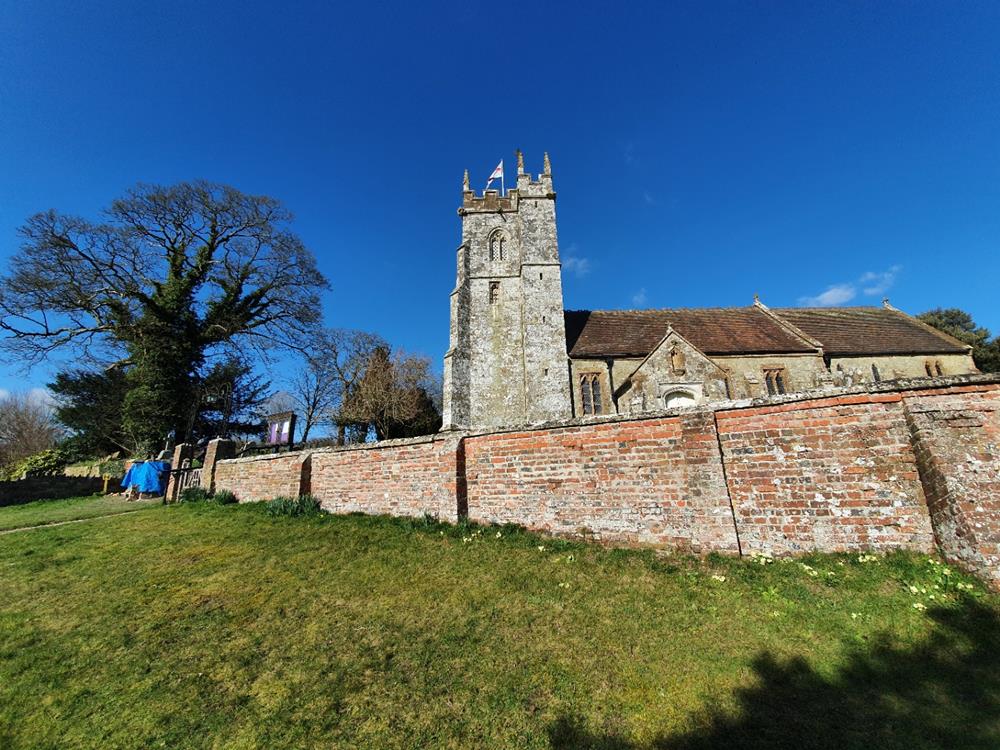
205,626
42,512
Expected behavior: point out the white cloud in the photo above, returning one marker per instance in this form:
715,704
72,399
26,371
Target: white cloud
870,284
4,393
837,294
648,198
639,298
42,396
879,283
576,265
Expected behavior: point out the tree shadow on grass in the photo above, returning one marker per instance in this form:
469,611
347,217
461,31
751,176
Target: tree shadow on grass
942,693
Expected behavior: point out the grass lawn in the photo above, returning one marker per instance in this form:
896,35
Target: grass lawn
202,626
52,511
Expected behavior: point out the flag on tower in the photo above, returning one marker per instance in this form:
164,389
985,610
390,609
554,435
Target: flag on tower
497,175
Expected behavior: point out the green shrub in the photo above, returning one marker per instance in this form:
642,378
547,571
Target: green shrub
42,464
195,495
224,497
114,468
304,505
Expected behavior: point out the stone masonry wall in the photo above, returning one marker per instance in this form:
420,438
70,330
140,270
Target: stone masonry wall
957,440
656,481
833,474
400,477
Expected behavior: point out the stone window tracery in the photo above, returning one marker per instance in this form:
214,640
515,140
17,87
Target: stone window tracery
590,393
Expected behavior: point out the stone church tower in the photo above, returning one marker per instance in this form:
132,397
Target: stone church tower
507,363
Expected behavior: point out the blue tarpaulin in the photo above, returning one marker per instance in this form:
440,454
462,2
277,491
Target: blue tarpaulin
146,476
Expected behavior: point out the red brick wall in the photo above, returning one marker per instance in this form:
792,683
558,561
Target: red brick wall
835,474
957,440
400,477
264,477
652,481
843,472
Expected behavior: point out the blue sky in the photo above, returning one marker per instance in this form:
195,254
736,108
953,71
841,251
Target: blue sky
808,152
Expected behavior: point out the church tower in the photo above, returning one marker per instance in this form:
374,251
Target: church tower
506,363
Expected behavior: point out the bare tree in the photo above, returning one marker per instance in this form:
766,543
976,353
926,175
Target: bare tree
169,274
329,374
396,395
26,427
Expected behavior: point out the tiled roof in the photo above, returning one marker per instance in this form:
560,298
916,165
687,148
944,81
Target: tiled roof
720,330
868,330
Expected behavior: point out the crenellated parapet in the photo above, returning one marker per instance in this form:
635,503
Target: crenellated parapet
492,202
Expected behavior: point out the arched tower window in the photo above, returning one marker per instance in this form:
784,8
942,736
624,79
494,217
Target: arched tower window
497,241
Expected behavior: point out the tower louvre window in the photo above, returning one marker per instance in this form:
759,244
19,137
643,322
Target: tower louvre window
590,393
497,242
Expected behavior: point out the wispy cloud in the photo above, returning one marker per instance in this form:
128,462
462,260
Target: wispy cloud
575,263
38,395
837,294
639,298
648,198
42,396
879,283
870,284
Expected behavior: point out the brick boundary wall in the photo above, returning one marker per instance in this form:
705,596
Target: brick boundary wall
956,435
654,481
263,477
897,465
834,474
411,477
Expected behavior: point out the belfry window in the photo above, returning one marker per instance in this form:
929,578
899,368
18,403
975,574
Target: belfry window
774,378
590,393
497,241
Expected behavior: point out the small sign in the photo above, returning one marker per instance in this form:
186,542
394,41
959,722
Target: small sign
281,428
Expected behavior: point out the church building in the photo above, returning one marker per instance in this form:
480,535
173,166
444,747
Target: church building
517,357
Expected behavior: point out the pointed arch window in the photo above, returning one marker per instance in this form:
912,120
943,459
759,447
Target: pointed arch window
590,393
497,244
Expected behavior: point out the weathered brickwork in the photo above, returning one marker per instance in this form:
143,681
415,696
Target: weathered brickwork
833,474
957,441
655,481
876,467
412,477
264,477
